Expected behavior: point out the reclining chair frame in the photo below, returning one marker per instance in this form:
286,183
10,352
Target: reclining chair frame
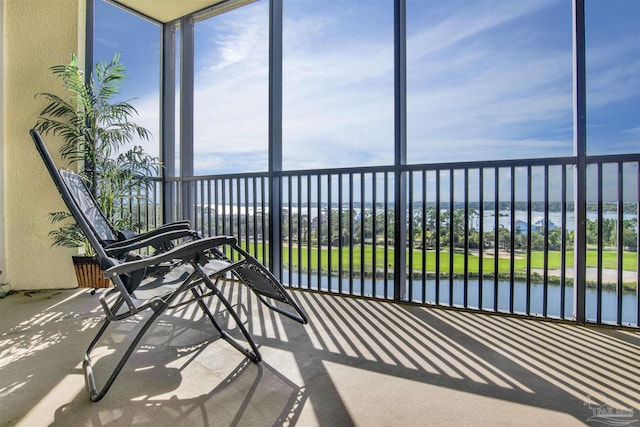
200,282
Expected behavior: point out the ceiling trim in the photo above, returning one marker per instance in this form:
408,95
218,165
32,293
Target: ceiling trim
216,7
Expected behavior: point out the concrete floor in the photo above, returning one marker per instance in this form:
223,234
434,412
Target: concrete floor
358,362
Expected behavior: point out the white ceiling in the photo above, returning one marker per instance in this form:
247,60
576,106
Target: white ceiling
169,10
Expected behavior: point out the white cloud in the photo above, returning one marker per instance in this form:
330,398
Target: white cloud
231,39
493,96
468,97
465,22
613,73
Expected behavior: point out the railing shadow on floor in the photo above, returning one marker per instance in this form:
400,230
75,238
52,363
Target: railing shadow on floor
556,366
180,376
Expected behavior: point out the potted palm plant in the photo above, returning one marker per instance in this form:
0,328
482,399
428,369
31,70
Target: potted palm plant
98,136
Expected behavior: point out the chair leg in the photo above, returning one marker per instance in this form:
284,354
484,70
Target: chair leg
95,394
253,353
159,306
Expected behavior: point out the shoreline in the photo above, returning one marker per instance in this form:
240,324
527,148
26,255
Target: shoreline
609,275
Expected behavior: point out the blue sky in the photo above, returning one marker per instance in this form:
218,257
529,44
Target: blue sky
486,80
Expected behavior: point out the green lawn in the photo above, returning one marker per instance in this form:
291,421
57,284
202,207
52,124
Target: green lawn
301,256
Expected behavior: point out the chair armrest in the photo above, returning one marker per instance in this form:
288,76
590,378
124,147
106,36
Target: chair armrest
154,240
186,252
174,226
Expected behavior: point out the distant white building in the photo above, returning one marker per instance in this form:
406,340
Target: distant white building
538,225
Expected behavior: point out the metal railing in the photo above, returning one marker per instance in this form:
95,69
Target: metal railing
492,236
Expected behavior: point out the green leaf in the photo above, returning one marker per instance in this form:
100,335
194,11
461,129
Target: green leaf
95,129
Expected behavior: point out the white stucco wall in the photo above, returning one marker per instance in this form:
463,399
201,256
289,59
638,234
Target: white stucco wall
3,251
37,34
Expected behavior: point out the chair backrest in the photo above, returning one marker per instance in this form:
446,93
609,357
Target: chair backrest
79,201
89,207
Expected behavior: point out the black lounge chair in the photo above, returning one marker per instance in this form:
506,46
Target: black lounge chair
182,262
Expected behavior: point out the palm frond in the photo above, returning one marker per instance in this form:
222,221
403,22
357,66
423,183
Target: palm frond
95,129
55,217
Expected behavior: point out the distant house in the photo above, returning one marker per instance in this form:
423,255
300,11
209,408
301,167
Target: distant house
538,225
521,226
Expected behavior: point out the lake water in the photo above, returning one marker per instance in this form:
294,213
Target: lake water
609,298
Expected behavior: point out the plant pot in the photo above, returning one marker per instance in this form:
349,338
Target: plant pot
88,273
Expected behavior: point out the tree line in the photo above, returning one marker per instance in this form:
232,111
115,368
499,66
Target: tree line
342,227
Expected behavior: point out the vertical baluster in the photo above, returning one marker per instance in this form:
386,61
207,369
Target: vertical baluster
466,238
202,207
254,204
496,232
238,182
409,248
480,237
263,219
329,225
563,244
299,239
386,234
424,236
512,213
545,280
216,230
247,204
529,233
209,209
151,207
340,227
309,232
223,188
319,232
451,233
374,213
289,236
351,240
438,189
620,235
600,245
362,215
